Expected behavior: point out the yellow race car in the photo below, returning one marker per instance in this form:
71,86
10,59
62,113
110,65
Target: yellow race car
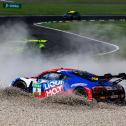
39,43
72,15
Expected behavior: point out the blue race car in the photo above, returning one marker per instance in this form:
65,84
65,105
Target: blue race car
82,83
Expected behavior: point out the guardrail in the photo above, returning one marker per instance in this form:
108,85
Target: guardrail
32,19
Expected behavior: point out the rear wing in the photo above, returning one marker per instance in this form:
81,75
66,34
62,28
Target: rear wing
106,77
110,76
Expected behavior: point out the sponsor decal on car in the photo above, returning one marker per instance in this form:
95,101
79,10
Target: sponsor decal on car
50,87
54,90
78,84
36,89
52,84
94,78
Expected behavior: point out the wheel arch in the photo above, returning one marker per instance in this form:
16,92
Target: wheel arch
22,84
87,90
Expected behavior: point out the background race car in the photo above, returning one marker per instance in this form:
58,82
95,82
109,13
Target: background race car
72,15
37,43
26,45
82,83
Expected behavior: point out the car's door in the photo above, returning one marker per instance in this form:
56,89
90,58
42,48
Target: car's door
52,83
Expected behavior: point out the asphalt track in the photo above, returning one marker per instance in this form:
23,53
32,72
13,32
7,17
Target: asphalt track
66,43
69,42
60,42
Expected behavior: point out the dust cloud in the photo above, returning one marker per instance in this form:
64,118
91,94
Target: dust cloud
16,60
20,108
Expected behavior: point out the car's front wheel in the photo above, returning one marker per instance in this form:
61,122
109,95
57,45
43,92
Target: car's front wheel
20,84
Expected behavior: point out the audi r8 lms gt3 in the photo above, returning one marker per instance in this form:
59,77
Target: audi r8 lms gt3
72,15
82,83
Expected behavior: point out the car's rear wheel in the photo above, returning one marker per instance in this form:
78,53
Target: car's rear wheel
81,92
122,97
21,85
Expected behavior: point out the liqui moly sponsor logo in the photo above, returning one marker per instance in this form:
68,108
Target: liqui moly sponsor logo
54,91
52,84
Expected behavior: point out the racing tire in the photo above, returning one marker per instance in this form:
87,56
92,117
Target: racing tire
21,85
123,99
81,92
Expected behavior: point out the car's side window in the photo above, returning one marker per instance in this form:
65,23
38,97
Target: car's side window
54,76
45,76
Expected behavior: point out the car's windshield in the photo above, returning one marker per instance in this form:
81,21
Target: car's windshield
86,75
72,12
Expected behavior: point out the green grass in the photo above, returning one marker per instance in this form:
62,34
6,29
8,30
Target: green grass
100,29
59,7
112,30
74,25
72,1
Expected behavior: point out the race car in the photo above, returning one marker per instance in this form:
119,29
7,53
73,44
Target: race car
36,43
26,45
72,15
67,80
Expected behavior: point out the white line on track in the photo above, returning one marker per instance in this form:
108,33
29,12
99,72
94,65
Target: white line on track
92,39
